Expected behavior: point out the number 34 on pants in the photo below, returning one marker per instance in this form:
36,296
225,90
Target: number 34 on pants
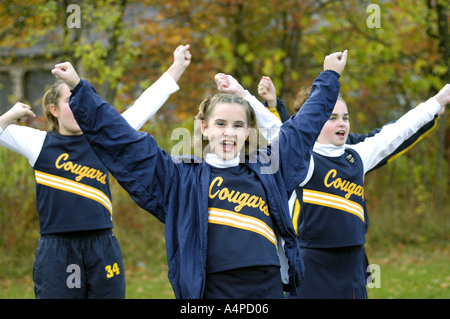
113,270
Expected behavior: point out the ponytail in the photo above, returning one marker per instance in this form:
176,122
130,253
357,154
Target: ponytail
51,97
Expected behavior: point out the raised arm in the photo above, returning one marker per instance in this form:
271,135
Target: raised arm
266,89
18,113
156,95
133,158
354,138
268,123
181,61
299,133
153,98
21,139
375,149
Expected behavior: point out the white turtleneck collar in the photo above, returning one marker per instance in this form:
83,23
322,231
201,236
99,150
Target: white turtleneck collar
329,149
322,149
218,162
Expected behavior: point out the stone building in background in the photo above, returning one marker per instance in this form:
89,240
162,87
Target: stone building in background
26,78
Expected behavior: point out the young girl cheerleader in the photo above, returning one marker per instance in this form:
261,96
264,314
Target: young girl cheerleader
77,255
267,91
227,224
331,219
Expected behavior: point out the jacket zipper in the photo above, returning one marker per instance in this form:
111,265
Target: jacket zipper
201,229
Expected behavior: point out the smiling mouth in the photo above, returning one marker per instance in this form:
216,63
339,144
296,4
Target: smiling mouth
228,146
340,134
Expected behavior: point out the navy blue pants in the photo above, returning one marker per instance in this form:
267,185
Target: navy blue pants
79,265
245,283
334,273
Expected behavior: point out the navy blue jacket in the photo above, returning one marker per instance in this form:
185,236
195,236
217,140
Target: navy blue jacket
176,191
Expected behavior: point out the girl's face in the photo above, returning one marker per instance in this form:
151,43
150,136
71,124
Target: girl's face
226,129
67,123
336,129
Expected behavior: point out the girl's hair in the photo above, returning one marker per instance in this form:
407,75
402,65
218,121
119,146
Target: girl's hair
205,110
52,97
303,95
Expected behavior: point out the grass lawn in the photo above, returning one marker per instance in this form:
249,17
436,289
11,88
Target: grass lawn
406,272
411,272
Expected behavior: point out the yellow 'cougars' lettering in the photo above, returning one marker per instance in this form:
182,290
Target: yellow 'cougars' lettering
243,199
344,185
77,169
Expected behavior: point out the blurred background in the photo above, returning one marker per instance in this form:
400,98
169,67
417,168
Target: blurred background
399,56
